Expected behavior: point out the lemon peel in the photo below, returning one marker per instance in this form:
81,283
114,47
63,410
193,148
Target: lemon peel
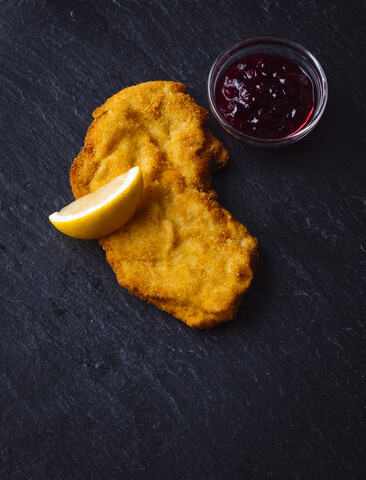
103,211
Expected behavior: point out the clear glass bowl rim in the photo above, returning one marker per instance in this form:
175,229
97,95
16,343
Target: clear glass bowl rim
307,57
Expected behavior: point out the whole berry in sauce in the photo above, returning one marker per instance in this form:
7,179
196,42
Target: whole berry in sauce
265,96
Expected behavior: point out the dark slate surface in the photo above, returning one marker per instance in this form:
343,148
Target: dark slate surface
96,384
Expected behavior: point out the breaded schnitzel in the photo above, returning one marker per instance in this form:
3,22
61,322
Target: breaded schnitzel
181,251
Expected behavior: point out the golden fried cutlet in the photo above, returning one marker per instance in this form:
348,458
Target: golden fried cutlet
181,251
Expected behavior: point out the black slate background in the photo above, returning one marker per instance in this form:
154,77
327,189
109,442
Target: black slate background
96,384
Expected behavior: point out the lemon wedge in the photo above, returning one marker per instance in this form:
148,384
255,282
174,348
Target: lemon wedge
101,212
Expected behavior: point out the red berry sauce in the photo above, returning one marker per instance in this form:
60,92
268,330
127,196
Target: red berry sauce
265,96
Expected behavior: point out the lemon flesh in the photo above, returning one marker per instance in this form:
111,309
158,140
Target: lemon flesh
101,212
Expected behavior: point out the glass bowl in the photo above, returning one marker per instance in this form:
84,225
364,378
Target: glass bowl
266,45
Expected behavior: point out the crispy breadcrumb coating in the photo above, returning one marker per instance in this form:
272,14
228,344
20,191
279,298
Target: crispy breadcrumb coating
181,251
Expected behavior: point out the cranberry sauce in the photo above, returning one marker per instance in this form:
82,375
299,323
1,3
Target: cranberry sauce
265,96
